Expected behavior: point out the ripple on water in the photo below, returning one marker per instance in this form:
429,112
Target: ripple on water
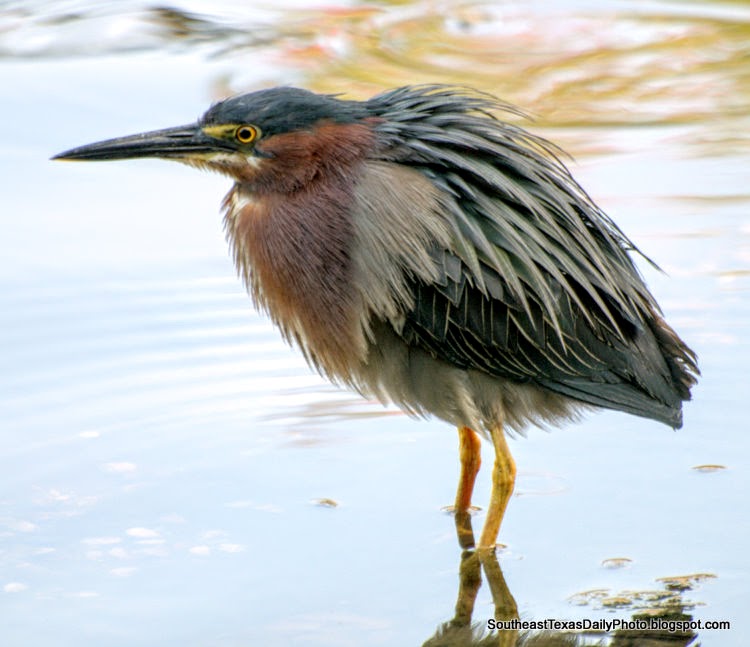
98,354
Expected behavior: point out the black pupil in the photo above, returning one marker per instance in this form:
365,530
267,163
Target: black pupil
245,134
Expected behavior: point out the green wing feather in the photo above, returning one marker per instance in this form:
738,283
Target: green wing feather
538,285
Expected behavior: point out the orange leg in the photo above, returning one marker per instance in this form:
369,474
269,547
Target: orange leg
503,482
469,448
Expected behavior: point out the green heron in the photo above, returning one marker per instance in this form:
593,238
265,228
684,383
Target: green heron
420,250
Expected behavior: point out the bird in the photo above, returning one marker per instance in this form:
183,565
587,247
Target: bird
423,249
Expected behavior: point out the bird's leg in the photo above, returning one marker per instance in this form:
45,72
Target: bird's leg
471,458
503,481
469,448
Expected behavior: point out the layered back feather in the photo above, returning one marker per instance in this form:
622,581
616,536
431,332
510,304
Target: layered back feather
538,284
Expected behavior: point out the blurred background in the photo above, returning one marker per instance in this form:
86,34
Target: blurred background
173,474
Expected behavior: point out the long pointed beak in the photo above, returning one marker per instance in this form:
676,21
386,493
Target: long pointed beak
170,143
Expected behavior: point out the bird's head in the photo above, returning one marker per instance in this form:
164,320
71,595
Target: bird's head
288,130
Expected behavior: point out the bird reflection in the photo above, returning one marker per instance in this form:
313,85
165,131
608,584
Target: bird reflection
461,631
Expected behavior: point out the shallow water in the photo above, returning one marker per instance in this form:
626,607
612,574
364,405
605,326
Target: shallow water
168,462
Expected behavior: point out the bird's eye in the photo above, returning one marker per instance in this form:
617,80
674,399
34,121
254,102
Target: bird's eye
246,134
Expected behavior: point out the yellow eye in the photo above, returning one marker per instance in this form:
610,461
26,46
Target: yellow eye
246,134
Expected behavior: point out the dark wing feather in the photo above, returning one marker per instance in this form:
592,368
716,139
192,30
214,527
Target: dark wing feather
538,284
593,364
